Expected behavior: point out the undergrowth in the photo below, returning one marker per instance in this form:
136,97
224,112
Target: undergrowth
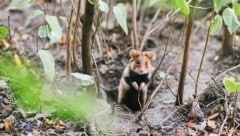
35,95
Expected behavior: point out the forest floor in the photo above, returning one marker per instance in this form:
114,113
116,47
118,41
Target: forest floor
162,117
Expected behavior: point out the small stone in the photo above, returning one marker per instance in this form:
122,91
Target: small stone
3,85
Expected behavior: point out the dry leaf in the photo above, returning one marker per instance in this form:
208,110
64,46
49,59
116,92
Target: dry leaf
4,44
180,132
211,125
212,134
213,116
8,126
48,122
232,132
196,112
191,124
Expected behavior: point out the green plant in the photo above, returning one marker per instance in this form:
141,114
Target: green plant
232,86
3,32
34,95
226,17
51,29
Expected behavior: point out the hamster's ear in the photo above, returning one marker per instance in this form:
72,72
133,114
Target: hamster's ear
134,54
150,55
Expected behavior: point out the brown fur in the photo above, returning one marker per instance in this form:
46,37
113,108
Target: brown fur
133,85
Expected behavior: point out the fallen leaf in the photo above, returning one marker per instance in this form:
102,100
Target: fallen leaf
196,112
213,116
212,134
8,126
180,132
191,124
211,125
232,132
201,126
48,122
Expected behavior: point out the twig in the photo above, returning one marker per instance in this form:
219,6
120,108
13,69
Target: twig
73,5
74,48
134,20
235,109
68,66
158,87
224,121
164,55
9,32
224,72
97,74
149,28
201,62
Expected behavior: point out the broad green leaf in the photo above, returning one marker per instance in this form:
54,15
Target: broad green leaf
218,4
42,31
230,84
103,6
84,78
48,63
120,13
64,19
216,25
3,32
236,8
93,1
35,13
18,4
231,20
55,31
182,5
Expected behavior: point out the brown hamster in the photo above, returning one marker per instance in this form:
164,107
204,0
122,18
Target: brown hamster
133,85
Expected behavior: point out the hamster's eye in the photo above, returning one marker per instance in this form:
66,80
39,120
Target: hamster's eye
146,63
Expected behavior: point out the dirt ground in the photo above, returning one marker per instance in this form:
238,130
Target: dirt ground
162,117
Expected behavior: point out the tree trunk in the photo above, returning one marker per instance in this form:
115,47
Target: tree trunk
227,42
86,38
179,99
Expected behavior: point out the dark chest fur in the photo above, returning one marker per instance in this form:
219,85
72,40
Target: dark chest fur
135,77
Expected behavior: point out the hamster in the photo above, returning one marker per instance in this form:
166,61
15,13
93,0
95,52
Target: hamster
134,82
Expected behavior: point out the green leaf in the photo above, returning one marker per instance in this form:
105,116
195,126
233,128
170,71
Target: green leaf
55,31
18,4
120,13
182,5
42,31
236,8
64,19
230,84
238,86
218,4
3,32
231,20
103,6
93,1
48,63
216,25
35,13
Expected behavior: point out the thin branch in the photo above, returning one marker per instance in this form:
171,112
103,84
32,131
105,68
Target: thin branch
68,66
149,28
74,48
201,62
158,87
134,20
224,72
